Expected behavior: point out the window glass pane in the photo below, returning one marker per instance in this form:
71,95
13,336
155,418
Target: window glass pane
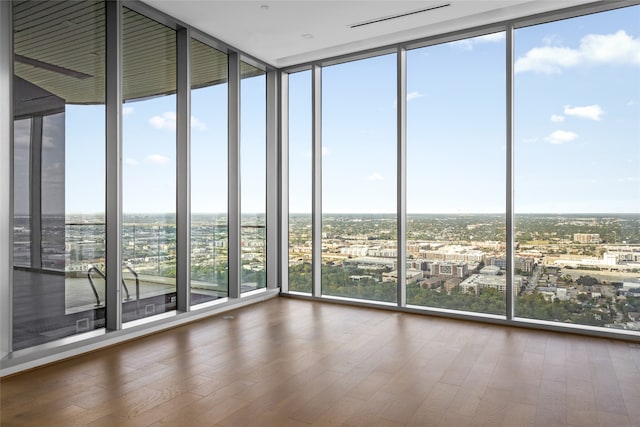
300,190
209,266
59,164
52,196
359,179
149,167
577,170
253,170
21,193
456,175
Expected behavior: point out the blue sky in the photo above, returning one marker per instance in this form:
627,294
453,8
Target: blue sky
149,156
577,135
577,131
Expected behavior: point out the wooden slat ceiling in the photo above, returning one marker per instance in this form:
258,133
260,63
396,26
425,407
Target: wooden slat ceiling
60,47
66,35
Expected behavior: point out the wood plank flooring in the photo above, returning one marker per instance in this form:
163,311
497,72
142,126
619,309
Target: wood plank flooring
288,362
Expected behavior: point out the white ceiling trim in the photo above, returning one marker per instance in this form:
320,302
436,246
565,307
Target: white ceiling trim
284,33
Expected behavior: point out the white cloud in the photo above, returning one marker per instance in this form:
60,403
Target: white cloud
156,159
130,161
594,49
552,39
375,177
48,142
631,103
556,118
468,44
127,111
592,112
628,179
165,121
561,137
490,38
197,124
414,95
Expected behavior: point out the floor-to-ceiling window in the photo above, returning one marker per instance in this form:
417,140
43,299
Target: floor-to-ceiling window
149,167
300,183
59,154
359,220
573,173
577,169
253,170
59,169
456,175
209,224
576,179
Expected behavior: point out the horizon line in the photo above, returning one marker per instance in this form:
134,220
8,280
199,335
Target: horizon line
344,213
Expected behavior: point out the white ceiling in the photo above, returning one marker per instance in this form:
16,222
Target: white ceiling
284,33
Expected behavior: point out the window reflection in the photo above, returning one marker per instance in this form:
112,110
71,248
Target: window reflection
58,186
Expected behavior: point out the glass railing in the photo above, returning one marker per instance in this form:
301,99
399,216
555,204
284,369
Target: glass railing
149,258
253,257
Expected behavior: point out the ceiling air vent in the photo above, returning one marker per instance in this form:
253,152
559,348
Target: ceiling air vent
399,15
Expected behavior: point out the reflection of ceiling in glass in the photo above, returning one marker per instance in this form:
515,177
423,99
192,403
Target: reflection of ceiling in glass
208,65
148,57
248,70
60,47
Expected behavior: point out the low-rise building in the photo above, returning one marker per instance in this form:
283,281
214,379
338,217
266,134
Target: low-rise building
477,282
411,275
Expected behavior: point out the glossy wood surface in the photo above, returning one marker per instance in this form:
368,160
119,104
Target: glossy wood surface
289,362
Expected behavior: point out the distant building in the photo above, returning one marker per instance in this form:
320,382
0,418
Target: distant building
371,263
453,269
562,294
491,270
608,260
625,253
453,253
477,282
355,250
411,275
586,238
525,264
383,252
547,292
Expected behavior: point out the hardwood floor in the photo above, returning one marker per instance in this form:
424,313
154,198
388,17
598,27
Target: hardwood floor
289,362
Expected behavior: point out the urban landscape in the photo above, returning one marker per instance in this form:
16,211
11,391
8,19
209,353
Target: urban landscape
581,269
